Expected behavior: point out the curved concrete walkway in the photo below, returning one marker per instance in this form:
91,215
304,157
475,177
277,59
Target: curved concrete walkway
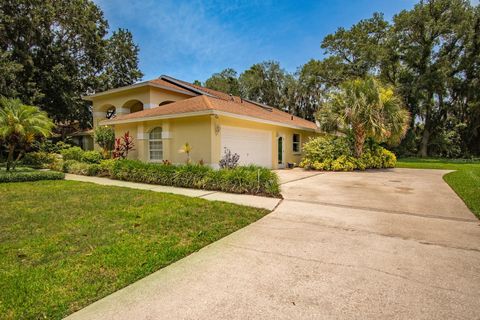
395,244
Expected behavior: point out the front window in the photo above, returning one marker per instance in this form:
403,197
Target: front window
296,143
155,144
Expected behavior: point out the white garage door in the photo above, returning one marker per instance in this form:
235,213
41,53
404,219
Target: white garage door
253,146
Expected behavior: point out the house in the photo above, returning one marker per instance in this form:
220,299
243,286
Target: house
165,113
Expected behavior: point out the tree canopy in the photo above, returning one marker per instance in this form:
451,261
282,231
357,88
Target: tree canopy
53,52
430,55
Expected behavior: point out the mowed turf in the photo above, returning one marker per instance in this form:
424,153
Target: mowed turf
66,244
465,180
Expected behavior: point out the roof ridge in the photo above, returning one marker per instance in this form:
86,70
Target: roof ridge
207,102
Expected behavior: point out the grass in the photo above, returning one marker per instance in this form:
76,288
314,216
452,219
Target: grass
465,181
66,244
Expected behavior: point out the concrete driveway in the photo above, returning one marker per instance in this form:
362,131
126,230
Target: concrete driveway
395,244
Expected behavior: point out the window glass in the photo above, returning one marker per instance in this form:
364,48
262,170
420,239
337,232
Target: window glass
155,144
296,142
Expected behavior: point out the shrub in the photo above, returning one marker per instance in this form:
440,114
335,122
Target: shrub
50,147
73,153
91,157
325,148
249,179
66,164
105,138
123,146
106,168
34,175
82,168
343,163
39,159
335,154
229,160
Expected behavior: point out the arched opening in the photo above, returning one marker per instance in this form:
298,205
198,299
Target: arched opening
111,112
155,144
106,111
165,102
133,105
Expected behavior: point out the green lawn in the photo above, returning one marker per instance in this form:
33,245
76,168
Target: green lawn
65,244
465,180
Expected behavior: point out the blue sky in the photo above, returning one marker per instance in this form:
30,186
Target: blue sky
191,40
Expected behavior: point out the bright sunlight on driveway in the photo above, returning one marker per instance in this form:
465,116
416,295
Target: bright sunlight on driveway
378,244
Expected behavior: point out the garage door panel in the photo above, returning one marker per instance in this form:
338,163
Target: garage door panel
253,146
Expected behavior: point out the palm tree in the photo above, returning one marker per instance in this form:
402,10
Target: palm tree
20,125
363,108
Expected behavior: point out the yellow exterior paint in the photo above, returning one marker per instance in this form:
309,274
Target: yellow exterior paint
277,131
148,96
202,132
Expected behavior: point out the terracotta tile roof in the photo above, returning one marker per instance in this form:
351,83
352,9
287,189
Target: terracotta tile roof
164,83
205,103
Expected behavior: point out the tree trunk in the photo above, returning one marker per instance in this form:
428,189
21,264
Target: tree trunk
11,149
359,141
20,155
423,152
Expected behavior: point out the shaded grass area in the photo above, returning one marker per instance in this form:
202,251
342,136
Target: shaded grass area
465,180
65,244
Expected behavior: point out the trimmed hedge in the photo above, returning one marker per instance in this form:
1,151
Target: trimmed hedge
243,179
34,175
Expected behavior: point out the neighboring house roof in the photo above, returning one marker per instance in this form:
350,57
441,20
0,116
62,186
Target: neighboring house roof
210,101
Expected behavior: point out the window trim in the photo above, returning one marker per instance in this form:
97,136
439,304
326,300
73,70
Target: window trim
155,140
299,143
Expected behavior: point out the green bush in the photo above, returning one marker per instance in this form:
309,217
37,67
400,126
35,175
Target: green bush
329,153
33,175
73,153
82,168
325,148
39,159
106,167
249,179
91,157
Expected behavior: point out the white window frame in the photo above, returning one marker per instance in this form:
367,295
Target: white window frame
155,140
299,143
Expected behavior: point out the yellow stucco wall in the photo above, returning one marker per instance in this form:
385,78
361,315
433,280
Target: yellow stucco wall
203,133
276,131
149,96
194,130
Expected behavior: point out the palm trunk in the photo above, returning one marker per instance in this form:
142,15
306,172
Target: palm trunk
20,155
11,149
359,141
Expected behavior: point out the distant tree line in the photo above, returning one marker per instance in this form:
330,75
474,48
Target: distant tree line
53,52
430,54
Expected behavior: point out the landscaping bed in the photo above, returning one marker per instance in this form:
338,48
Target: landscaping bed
236,179
66,244
465,180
